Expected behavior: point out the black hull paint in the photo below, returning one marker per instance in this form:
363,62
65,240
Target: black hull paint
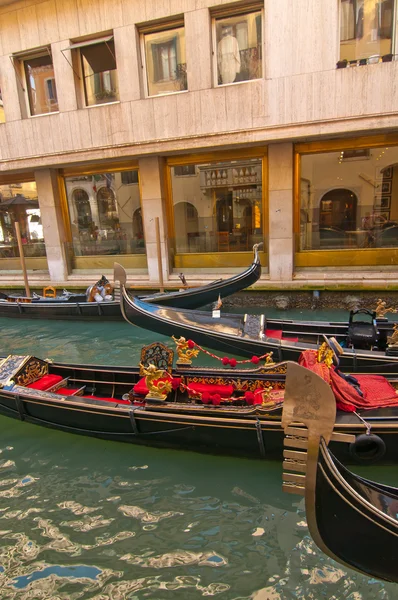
352,528
225,335
188,299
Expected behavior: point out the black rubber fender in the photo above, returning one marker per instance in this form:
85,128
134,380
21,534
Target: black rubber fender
367,448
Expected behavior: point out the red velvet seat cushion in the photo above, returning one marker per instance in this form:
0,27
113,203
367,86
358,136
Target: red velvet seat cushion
45,382
141,389
225,391
277,334
65,391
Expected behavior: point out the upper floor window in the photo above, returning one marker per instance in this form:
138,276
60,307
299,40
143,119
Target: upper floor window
99,70
166,68
2,117
366,31
40,83
238,47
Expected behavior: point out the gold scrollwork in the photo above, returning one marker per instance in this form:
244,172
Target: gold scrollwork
158,390
31,372
325,355
185,354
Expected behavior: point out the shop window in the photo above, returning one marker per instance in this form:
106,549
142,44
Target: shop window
2,116
129,177
366,31
99,70
349,205
184,170
40,83
238,47
19,204
105,214
222,207
166,69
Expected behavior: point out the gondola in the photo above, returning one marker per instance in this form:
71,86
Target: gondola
76,306
350,518
218,410
365,340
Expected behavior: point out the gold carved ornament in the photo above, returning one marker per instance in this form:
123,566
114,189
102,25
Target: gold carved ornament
156,389
185,353
32,372
392,340
325,355
381,309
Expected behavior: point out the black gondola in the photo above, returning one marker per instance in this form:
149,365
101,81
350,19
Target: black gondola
248,335
72,306
350,518
233,411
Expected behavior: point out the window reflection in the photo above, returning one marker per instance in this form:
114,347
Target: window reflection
217,206
19,204
165,61
100,73
366,28
239,48
349,199
40,82
105,214
2,116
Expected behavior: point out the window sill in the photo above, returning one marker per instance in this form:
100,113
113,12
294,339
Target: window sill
163,94
55,112
103,104
223,85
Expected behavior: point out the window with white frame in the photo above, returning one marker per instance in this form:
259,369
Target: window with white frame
238,46
40,83
165,61
366,31
99,69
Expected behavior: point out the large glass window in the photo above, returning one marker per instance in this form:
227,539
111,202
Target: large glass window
105,214
166,68
99,71
19,204
349,199
366,30
40,83
239,47
217,206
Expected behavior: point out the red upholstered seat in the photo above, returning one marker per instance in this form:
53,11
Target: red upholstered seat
225,391
141,389
65,391
45,382
277,334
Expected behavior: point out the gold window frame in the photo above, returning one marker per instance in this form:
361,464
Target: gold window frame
359,257
98,262
206,259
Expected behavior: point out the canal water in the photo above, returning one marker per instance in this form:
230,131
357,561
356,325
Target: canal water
82,518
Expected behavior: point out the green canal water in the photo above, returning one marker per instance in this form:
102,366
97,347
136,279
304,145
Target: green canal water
82,518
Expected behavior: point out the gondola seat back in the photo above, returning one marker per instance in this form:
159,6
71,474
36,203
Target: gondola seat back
362,329
27,371
162,357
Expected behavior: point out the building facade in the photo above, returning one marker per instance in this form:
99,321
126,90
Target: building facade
226,123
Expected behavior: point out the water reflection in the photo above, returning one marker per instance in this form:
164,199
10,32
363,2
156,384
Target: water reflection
86,518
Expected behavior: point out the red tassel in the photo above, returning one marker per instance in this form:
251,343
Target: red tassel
255,360
232,362
191,344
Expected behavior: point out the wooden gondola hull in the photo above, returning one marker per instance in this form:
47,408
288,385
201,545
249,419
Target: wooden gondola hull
351,529
256,435
228,335
189,298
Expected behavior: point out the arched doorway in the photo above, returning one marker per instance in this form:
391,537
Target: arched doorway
83,209
338,210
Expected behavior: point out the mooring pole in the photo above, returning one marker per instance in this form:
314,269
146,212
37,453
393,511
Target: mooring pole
159,253
22,258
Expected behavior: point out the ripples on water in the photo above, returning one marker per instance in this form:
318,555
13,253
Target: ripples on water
89,519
